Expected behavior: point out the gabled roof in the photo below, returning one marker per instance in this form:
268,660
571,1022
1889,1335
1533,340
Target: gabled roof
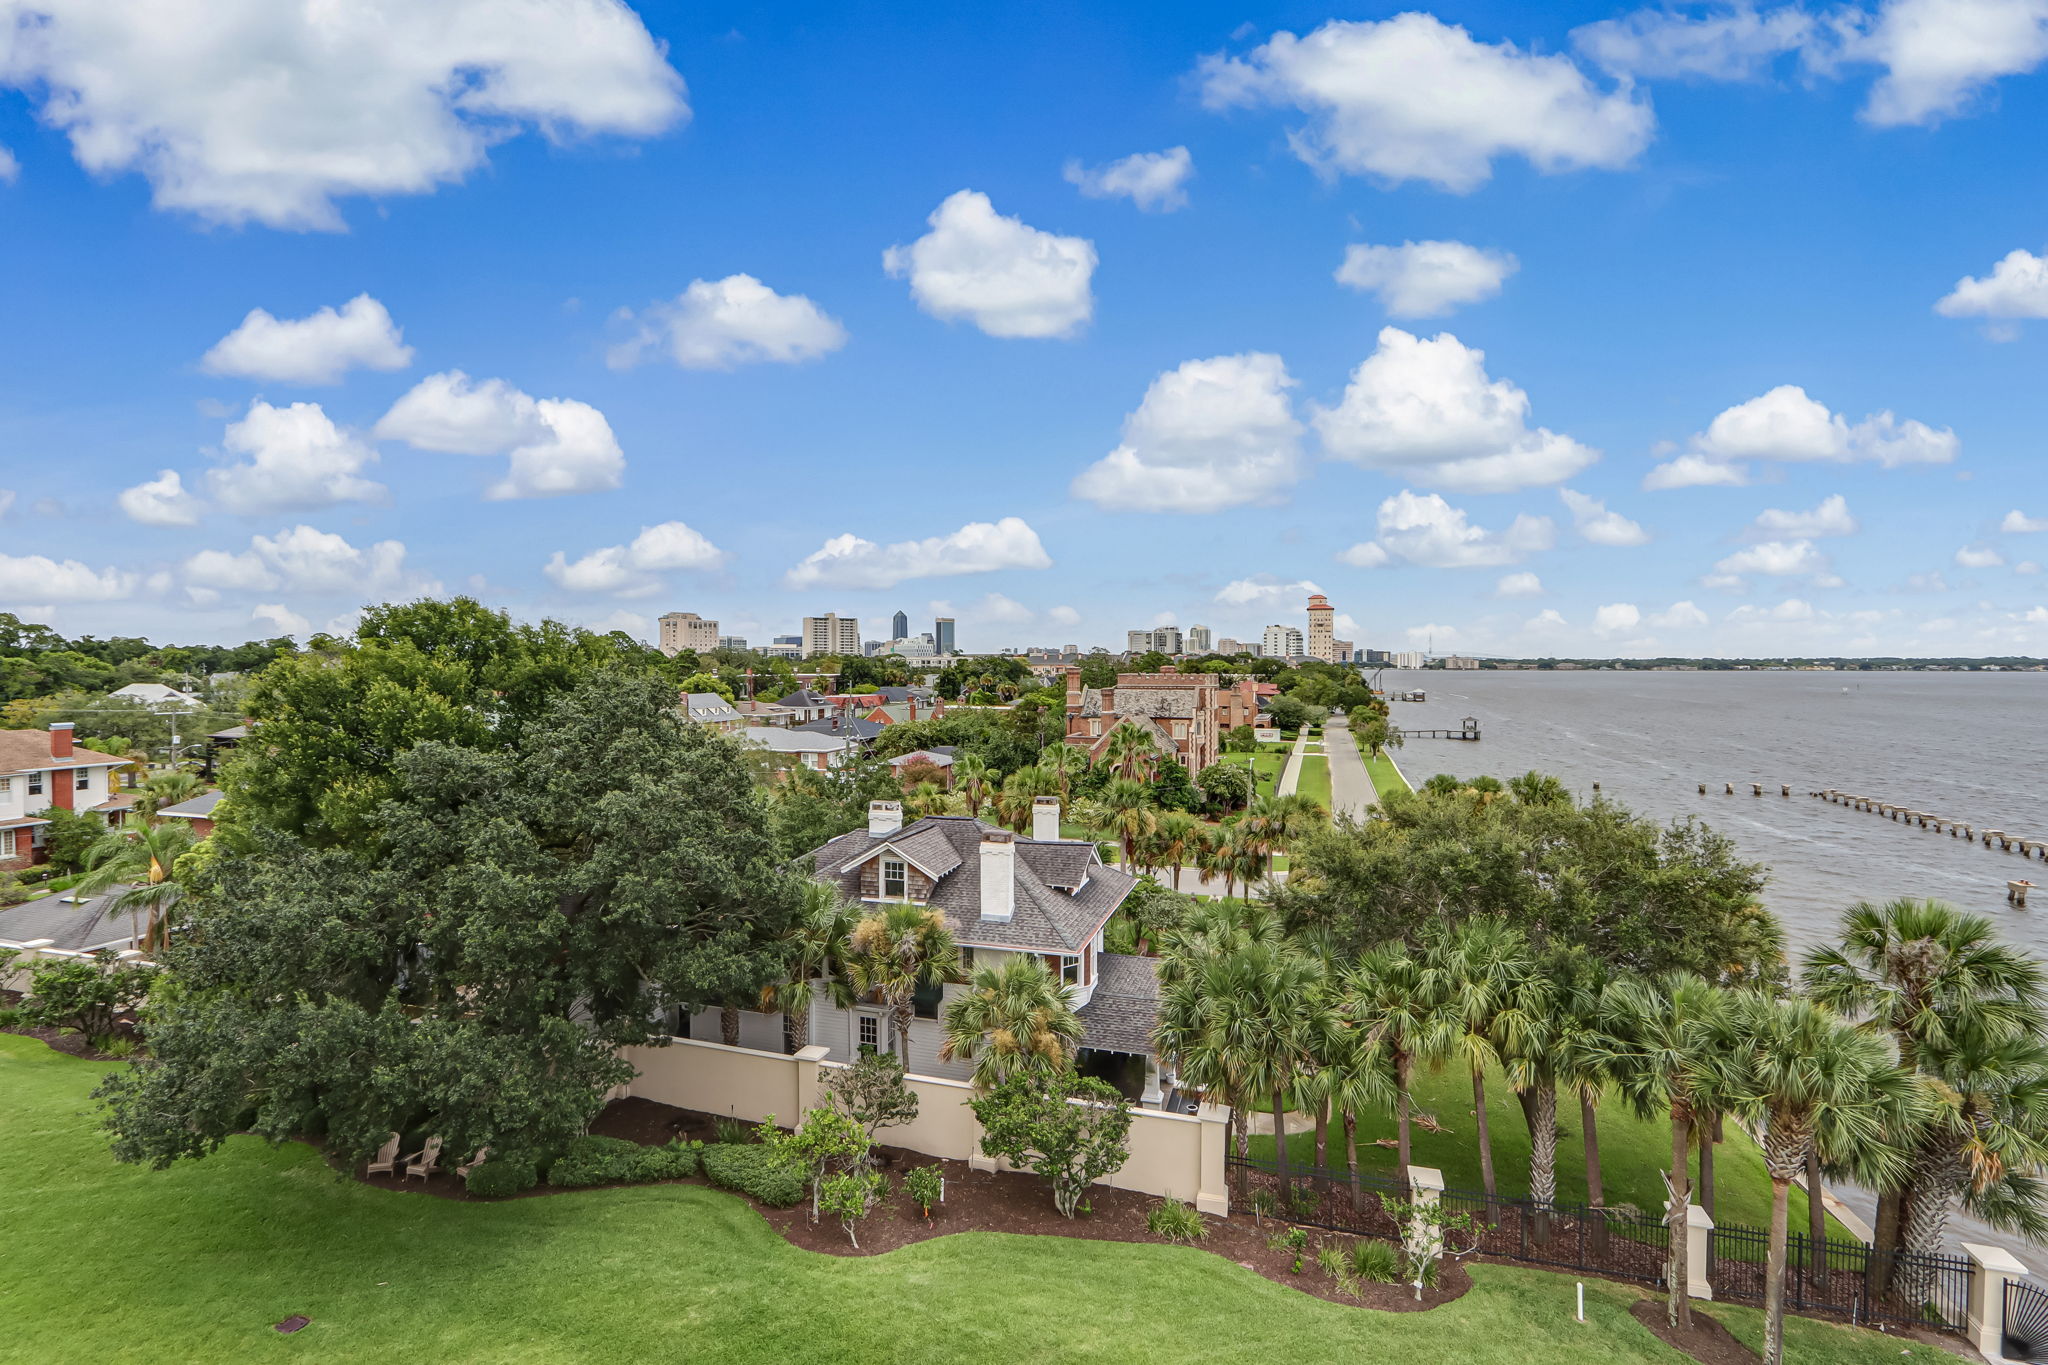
781,740
709,706
1123,1014
25,751
802,699
846,727
939,756
199,807
1050,916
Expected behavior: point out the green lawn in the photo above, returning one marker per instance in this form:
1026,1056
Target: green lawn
1385,776
1633,1152
109,1263
1266,765
1315,779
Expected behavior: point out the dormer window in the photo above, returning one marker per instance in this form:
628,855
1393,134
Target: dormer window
895,879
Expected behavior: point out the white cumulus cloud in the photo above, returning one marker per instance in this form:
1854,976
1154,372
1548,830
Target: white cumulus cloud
633,569
1008,279
1791,609
1424,529
847,561
1695,471
1788,426
1208,435
1678,616
1428,412
2017,287
1598,526
161,501
39,579
306,560
1518,585
555,446
1979,557
297,459
316,349
1265,594
1727,44
280,618
1939,55
1155,181
1831,518
1778,559
1425,279
1374,94
2016,522
10,169
1616,618
270,110
720,324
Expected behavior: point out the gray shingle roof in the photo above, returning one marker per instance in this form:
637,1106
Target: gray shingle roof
1173,702
199,807
1124,1011
91,925
1048,918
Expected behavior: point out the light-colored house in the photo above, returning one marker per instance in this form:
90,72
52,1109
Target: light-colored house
39,770
711,709
1001,894
799,748
158,697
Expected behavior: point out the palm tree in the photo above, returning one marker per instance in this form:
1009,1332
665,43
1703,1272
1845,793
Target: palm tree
1398,1005
893,952
1482,964
1013,1019
165,789
1019,790
1128,803
1669,1040
1529,1032
1585,1064
928,798
817,943
146,855
1924,973
1809,1076
972,778
1063,761
1988,1138
1175,839
1130,751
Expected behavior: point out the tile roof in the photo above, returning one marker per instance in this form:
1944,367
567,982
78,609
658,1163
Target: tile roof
1123,1014
1048,917
24,751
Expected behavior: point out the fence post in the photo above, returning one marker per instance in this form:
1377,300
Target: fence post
1699,1235
1426,1187
1212,1185
807,1096
1990,1268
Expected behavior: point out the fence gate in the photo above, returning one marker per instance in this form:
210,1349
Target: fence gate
2026,1321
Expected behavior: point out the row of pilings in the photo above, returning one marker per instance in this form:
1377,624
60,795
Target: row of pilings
1957,829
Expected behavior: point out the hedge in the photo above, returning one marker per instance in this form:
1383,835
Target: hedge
757,1171
501,1176
614,1161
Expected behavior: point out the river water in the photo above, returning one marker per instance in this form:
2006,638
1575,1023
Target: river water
1973,746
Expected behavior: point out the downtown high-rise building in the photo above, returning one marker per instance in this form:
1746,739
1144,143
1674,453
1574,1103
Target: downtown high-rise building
831,634
1322,633
899,626
681,630
1165,639
1281,642
942,635
1198,640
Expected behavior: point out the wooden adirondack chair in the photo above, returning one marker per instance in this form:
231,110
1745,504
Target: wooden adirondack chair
386,1160
426,1161
482,1154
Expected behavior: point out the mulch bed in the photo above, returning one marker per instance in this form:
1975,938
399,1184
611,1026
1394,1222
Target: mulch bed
63,1040
1707,1342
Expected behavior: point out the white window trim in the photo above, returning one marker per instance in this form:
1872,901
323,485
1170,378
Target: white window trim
882,879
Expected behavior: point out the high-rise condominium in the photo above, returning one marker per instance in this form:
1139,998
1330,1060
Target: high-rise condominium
1322,635
681,630
1198,639
831,634
1281,642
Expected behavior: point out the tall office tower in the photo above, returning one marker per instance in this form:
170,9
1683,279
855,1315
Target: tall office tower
831,634
1166,639
1281,642
942,634
681,630
899,626
1322,635
1137,641
1198,640
732,642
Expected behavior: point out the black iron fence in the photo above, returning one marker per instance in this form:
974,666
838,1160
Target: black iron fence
2026,1321
1838,1279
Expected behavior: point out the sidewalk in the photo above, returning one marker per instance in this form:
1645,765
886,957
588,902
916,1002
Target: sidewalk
1290,776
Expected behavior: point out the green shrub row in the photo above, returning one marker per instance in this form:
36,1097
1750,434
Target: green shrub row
501,1176
756,1171
615,1161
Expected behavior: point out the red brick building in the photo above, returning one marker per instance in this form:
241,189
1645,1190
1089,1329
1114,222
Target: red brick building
1185,713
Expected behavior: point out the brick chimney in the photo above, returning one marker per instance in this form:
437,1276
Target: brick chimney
60,739
884,818
998,875
1073,690
913,709
1045,817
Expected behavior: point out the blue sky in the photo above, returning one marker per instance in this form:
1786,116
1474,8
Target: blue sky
1711,330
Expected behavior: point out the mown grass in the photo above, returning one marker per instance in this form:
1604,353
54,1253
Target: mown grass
1385,776
109,1263
1315,779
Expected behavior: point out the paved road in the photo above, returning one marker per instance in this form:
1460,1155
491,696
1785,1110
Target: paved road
1351,789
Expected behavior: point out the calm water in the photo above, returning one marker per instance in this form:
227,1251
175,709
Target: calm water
1973,746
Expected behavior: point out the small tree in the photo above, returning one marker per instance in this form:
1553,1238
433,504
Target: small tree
1068,1128
67,837
850,1196
1427,1228
825,1136
872,1093
85,996
927,1186
1228,786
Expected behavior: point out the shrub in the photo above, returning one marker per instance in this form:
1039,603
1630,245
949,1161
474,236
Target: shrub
614,1161
1293,1239
756,1171
85,996
501,1176
732,1131
1265,1204
850,1195
1176,1222
873,1093
1376,1262
1338,1267
1070,1129
927,1186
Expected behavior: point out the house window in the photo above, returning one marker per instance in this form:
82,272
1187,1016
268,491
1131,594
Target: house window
895,879
1070,970
966,957
35,784
6,843
6,786
924,1001
81,779
870,1032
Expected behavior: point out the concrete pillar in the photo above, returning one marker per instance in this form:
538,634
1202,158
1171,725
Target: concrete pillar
1990,1268
1699,1233
1153,1093
809,1084
1212,1193
1426,1187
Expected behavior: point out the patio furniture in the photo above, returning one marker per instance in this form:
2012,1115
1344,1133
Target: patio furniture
425,1161
386,1160
466,1167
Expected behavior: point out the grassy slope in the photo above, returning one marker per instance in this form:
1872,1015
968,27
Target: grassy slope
201,1259
1633,1152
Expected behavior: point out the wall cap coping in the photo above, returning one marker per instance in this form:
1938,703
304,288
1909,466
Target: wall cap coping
1425,1177
1996,1259
814,1053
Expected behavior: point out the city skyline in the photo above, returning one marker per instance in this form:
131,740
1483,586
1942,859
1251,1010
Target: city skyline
1653,348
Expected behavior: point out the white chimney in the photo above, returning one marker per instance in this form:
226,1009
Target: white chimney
1045,817
998,875
884,817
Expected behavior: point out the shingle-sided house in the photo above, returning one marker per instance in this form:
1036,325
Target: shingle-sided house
1001,893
